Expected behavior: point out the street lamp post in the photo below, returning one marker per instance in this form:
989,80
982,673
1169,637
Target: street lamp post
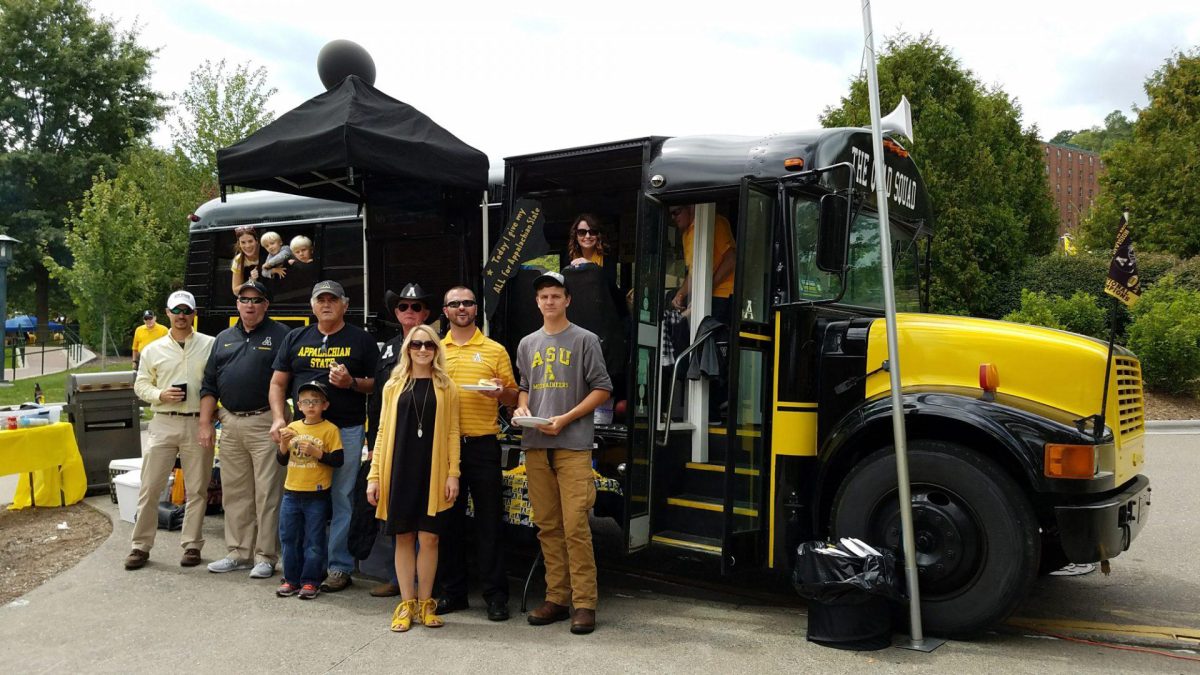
6,255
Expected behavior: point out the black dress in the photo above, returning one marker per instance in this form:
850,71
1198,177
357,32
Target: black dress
412,461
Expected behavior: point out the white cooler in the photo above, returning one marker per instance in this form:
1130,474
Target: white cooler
127,486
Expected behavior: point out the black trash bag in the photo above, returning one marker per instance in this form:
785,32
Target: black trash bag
849,595
170,516
363,525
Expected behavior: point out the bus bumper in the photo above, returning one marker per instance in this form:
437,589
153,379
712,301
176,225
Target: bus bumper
1102,529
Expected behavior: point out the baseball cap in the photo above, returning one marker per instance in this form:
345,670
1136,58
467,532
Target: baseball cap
549,279
181,298
256,285
148,314
331,287
314,386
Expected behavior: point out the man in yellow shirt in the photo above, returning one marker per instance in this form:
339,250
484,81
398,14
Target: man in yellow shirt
724,257
472,360
148,332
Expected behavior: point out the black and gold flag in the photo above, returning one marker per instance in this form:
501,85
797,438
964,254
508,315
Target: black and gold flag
1123,282
520,240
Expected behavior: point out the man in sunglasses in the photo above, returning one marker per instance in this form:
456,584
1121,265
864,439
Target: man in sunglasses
411,308
472,360
238,375
148,332
170,367
342,357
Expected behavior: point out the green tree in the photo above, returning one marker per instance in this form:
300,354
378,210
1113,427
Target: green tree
1154,174
219,108
111,237
74,94
991,204
1063,137
1117,129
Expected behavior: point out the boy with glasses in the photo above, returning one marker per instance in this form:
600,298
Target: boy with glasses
238,375
170,367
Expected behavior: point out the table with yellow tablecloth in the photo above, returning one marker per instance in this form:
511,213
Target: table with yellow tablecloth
51,455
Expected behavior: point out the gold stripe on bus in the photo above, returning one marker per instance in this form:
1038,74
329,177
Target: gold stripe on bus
681,543
754,336
795,405
741,470
709,506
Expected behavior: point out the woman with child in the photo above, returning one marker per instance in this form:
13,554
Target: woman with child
415,469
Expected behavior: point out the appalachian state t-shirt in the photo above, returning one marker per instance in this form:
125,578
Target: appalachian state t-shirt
307,354
308,474
558,371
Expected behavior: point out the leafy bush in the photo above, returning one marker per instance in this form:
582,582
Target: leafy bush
1187,273
1078,313
1165,335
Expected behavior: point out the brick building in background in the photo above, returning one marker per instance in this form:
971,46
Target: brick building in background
1074,177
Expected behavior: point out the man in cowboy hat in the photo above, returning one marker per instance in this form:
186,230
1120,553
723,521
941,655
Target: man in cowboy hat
411,308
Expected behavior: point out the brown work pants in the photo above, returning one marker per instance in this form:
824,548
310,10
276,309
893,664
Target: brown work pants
251,486
562,491
173,436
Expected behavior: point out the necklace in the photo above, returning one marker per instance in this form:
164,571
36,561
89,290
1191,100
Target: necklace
421,413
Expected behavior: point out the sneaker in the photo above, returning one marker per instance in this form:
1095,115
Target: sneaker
336,581
136,559
286,589
262,570
309,591
191,558
228,564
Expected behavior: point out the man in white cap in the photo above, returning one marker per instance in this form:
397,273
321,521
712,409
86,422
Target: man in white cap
170,368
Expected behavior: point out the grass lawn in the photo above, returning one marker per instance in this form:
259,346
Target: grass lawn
53,386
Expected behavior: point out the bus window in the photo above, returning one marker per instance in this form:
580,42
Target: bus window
294,285
811,282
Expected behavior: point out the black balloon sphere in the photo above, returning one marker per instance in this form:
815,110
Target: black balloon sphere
341,58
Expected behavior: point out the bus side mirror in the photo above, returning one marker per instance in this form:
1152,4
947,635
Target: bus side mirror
833,234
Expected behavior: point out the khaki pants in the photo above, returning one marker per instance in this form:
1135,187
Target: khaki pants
251,486
561,491
171,436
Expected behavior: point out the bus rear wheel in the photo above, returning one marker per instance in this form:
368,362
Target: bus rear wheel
977,540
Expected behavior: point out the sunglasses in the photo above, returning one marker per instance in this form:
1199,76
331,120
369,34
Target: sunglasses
311,401
244,230
182,310
455,304
585,232
420,345
251,301
416,307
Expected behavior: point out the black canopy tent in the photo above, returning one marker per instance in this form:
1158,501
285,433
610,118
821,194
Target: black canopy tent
354,144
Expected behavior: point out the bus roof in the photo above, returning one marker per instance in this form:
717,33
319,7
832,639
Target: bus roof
265,206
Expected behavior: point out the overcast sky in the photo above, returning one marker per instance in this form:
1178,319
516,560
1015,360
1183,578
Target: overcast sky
518,77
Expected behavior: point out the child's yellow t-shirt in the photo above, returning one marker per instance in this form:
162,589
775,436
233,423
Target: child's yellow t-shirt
308,474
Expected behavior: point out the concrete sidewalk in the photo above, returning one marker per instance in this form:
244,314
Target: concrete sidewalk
53,359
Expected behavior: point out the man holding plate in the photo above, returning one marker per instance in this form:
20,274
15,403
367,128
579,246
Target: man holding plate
481,367
563,379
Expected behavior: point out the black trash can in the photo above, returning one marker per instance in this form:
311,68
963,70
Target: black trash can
849,594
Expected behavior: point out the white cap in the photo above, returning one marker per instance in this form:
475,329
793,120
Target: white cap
181,298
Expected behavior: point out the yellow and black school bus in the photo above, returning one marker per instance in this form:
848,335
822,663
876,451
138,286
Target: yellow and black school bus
792,439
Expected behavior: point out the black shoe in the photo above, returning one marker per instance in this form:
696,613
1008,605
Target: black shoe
447,605
497,611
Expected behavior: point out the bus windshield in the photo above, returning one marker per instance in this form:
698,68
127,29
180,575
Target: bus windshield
864,279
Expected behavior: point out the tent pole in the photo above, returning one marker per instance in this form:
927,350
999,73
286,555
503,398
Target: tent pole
917,639
483,207
366,272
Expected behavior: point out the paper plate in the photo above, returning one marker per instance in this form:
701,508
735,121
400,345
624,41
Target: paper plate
480,387
530,421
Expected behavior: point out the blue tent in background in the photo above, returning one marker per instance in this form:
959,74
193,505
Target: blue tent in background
25,323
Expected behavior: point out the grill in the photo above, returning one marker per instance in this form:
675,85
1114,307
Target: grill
1130,413
107,419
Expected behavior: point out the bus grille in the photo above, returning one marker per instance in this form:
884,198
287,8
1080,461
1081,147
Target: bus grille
1130,414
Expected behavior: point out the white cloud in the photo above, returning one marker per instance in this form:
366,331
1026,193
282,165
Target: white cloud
522,77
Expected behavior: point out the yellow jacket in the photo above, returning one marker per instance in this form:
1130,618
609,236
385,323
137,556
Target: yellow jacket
445,448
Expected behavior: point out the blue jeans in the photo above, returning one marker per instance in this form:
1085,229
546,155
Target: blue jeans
344,476
302,538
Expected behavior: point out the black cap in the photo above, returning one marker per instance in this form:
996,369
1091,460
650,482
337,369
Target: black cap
411,292
331,287
549,279
314,386
148,314
258,286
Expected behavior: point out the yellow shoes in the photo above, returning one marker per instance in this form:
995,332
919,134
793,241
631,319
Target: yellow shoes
403,617
429,615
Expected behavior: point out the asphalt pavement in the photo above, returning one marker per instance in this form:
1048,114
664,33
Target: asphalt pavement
97,617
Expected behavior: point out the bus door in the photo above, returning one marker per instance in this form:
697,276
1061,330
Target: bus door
751,356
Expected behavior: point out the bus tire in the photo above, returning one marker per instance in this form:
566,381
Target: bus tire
976,533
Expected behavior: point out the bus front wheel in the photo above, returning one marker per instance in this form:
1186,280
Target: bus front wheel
977,541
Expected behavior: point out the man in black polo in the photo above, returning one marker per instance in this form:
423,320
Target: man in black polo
238,375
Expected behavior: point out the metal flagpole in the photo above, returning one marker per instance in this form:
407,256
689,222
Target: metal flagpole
917,639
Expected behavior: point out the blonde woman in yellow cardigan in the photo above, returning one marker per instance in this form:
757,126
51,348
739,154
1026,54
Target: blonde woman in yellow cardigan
414,469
